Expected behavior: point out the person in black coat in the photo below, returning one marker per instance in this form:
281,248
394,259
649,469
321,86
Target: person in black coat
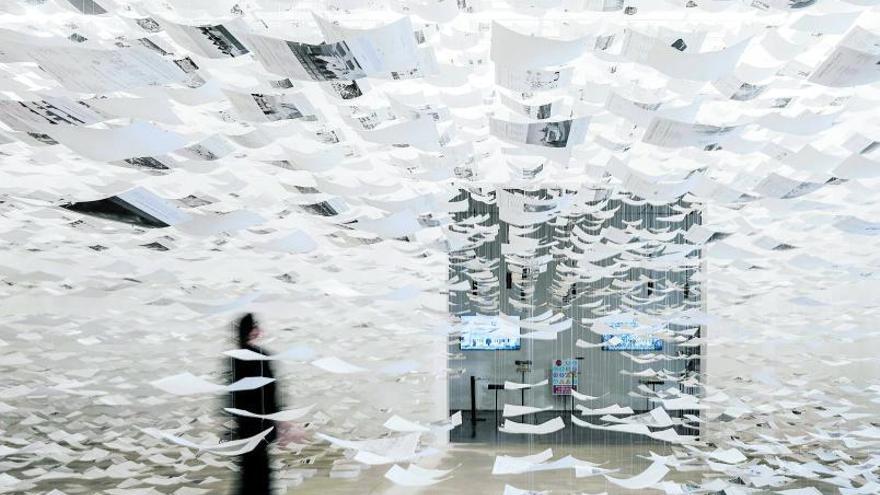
255,473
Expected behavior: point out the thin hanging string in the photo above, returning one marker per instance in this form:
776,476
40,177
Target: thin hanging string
263,393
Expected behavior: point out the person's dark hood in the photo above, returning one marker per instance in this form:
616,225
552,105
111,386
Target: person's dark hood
245,325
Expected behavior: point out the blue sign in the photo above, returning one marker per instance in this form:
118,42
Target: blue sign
564,376
489,333
484,342
631,342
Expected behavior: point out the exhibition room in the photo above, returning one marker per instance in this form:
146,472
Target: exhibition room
512,247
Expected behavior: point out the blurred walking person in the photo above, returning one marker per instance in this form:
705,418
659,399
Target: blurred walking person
255,475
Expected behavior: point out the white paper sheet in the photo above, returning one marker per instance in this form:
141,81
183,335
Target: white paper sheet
138,139
189,384
231,448
544,428
336,365
520,386
512,410
415,476
286,415
646,479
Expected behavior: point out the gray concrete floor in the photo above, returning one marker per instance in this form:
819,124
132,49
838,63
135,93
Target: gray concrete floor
473,472
471,464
